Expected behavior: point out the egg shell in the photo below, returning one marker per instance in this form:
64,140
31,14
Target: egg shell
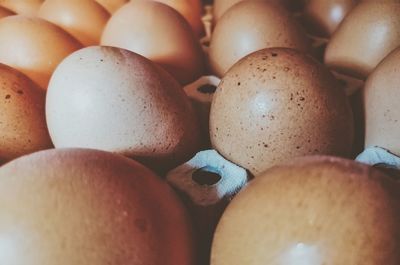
276,104
159,33
382,113
22,7
23,127
34,46
115,100
89,207
112,5
191,10
250,26
83,19
366,36
319,210
4,12
323,17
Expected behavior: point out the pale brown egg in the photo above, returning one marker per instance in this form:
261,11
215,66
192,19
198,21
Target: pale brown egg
22,7
191,10
159,33
382,112
314,211
250,26
83,207
34,46
4,12
115,100
23,127
276,104
323,17
83,19
366,36
112,5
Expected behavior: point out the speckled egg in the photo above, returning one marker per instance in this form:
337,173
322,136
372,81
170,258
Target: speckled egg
115,100
23,127
276,104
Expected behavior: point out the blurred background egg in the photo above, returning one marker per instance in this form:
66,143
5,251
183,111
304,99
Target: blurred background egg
23,127
276,104
115,100
159,33
83,19
22,7
250,26
34,46
366,36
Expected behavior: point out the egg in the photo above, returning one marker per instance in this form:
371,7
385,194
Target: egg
320,210
115,100
34,46
276,104
323,17
366,36
83,19
23,127
22,7
85,207
4,12
112,5
250,26
382,113
191,10
159,33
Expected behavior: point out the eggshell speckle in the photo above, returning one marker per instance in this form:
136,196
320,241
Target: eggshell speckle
276,104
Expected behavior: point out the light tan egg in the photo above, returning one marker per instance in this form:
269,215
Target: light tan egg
159,33
382,113
23,127
115,100
83,207
83,19
112,5
276,104
4,12
22,7
250,26
366,36
34,46
314,211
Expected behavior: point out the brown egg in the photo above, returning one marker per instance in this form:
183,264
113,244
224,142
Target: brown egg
112,5
83,19
314,211
83,207
22,7
159,33
323,17
191,10
34,46
250,26
115,100
382,113
276,104
366,36
4,12
23,127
